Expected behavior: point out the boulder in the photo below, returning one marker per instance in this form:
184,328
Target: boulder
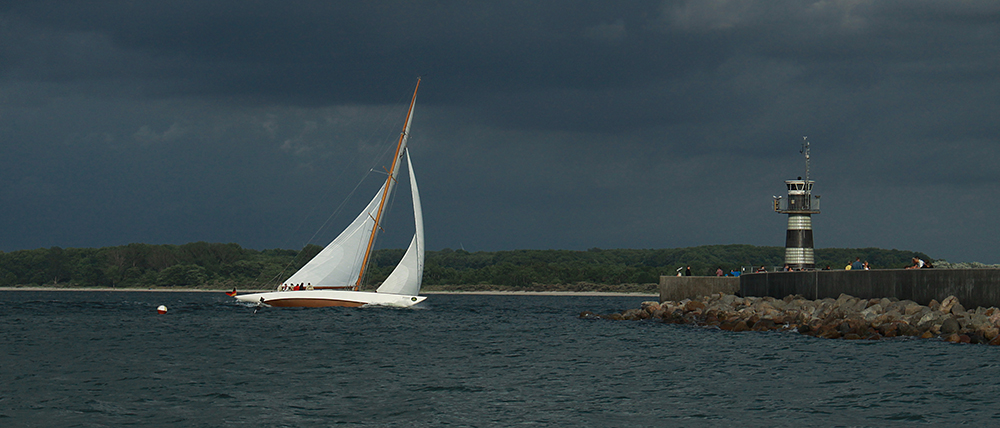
946,304
958,309
727,300
928,319
764,325
694,305
828,331
635,314
740,326
911,308
949,326
989,332
873,311
888,328
976,338
844,299
908,330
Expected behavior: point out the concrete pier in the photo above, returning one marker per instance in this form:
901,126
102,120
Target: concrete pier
972,287
678,288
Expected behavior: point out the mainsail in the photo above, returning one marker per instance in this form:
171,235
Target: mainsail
340,262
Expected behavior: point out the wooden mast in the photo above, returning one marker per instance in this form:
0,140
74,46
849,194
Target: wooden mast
385,193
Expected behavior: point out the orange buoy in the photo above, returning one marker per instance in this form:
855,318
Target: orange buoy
161,309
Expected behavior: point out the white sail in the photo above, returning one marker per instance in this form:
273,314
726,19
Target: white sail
340,262
408,274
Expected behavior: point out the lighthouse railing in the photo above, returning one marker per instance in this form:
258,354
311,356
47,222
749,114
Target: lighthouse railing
782,205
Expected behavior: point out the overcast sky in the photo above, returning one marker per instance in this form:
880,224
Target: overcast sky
539,125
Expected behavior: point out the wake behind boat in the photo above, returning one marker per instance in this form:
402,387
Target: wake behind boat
334,276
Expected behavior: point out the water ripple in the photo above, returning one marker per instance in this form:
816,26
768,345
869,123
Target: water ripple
107,359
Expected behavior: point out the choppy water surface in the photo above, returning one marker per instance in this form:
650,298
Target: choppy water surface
107,359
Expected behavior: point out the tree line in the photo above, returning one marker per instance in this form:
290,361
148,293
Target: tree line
224,266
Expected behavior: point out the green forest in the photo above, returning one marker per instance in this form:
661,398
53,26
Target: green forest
203,265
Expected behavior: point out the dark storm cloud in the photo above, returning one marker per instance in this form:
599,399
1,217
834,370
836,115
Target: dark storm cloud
540,125
256,48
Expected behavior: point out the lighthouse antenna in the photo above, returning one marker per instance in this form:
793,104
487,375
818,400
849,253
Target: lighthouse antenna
805,151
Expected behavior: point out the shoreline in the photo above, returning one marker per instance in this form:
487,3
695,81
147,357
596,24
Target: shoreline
487,293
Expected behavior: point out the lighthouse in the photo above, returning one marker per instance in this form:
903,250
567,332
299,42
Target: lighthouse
800,206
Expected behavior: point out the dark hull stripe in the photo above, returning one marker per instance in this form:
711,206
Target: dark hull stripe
311,303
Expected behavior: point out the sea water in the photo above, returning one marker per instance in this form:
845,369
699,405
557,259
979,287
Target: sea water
94,359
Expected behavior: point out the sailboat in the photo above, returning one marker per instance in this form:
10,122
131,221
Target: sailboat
333,277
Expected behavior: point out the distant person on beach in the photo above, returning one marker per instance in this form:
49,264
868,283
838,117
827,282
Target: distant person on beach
866,267
761,269
857,265
827,267
687,271
787,268
718,272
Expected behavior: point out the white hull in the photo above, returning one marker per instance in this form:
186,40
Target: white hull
323,298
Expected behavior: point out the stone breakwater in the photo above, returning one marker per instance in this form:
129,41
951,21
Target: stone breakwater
846,317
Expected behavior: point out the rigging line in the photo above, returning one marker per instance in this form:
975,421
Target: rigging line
383,123
386,147
389,142
390,138
357,154
328,219
310,213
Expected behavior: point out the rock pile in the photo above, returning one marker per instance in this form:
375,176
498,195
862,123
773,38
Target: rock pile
846,317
